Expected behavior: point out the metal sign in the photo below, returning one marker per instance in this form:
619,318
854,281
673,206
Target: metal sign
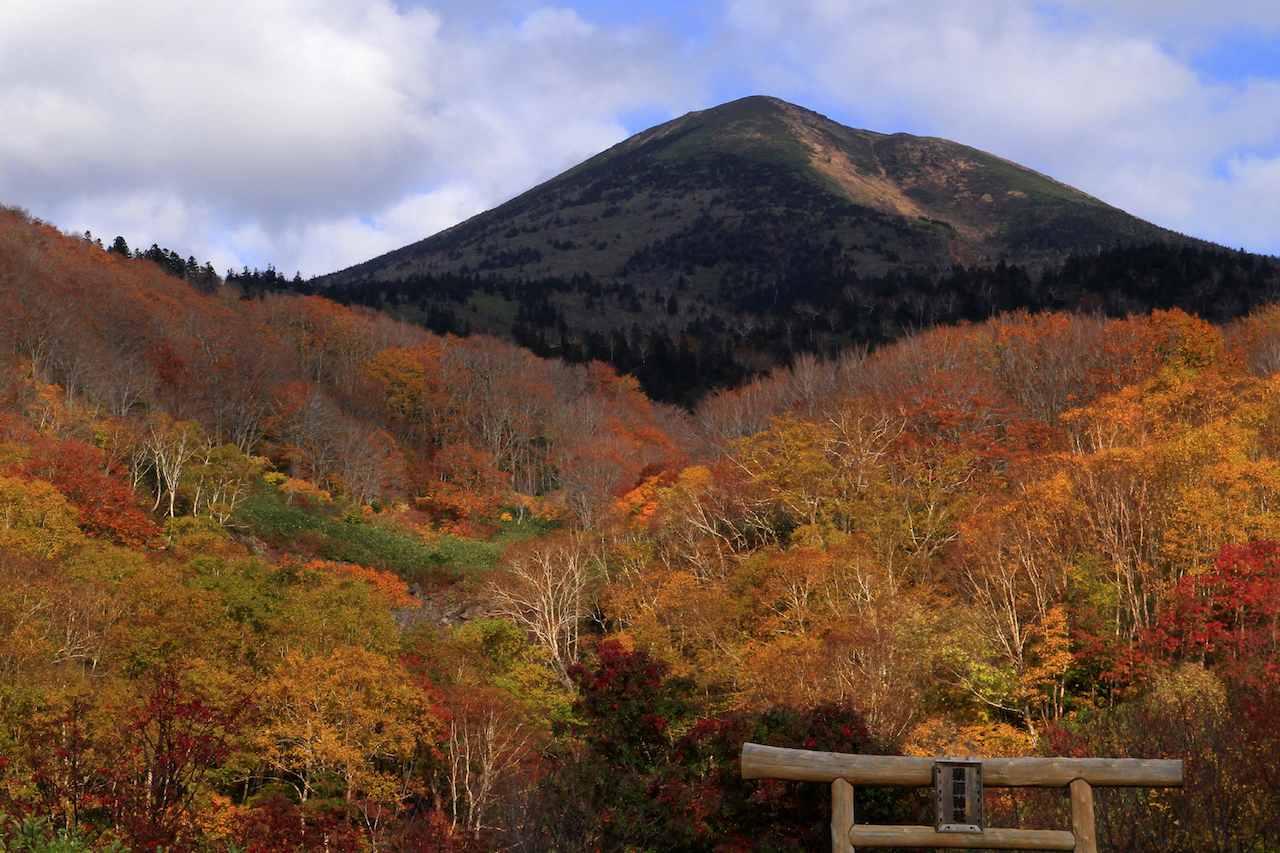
957,789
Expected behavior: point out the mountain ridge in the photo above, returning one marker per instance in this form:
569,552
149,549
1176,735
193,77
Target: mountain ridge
934,185
721,243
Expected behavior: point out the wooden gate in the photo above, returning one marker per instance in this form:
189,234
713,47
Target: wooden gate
843,771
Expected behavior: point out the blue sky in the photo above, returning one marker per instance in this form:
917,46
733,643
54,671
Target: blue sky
314,134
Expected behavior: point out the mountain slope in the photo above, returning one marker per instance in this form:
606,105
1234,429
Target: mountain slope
715,178
718,244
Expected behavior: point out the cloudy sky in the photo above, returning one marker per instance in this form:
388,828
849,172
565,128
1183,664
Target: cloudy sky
314,134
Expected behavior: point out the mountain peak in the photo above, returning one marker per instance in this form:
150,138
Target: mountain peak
943,202
894,174
720,217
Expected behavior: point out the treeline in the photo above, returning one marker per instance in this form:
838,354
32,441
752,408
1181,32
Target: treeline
761,318
203,277
249,283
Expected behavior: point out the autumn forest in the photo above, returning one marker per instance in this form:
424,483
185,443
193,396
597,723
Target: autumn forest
281,574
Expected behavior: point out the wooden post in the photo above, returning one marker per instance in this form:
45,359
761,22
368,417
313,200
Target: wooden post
803,765
841,816
844,771
1082,816
992,838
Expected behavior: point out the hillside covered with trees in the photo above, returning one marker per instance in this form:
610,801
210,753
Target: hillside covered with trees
681,345
722,244
284,575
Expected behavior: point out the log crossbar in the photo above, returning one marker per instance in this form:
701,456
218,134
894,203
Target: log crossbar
843,771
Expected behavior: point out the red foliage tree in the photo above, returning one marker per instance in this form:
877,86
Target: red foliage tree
276,824
1227,618
628,704
108,508
175,738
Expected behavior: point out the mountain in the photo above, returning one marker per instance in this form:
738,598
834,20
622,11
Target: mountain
739,234
711,179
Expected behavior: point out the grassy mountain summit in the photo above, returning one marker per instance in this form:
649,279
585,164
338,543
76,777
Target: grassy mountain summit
730,175
720,243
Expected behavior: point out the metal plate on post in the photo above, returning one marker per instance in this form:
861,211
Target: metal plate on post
957,788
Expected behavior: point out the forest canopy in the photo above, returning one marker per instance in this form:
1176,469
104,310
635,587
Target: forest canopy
282,574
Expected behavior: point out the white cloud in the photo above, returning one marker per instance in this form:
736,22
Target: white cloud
337,243
273,128
239,101
543,24
1243,209
1188,23
314,134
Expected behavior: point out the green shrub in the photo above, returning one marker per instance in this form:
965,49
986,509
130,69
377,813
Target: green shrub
322,532
38,835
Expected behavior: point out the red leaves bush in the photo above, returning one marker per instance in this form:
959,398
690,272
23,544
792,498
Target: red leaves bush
108,508
1227,619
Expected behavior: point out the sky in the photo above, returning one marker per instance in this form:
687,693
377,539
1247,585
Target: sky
315,134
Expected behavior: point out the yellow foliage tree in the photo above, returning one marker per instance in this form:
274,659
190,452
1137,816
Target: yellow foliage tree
350,714
36,519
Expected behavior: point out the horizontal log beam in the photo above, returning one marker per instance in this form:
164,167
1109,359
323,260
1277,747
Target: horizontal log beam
772,762
991,839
